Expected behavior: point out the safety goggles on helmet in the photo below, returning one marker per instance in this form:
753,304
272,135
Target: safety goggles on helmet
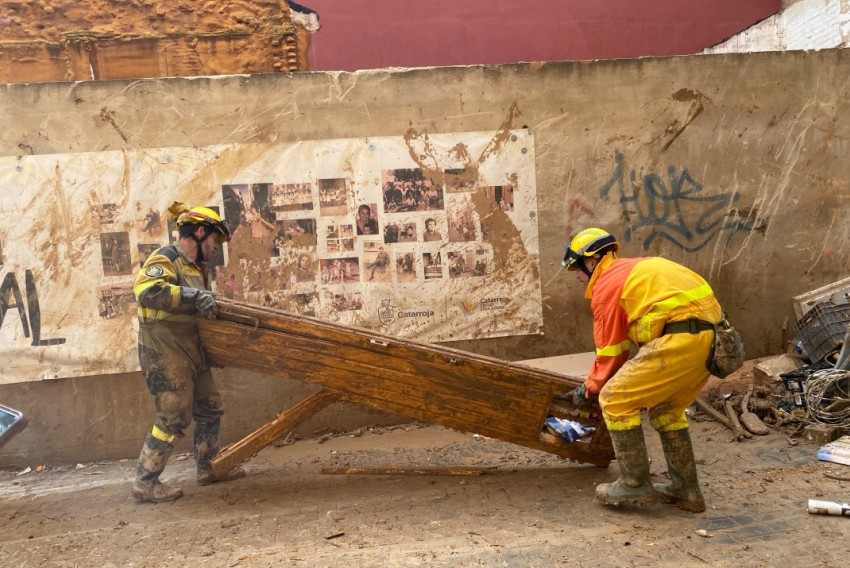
206,216
588,243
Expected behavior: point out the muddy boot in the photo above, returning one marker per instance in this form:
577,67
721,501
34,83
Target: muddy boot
633,486
206,448
683,489
152,459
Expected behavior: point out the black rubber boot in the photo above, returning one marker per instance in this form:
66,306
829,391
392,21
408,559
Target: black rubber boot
683,489
206,447
633,486
152,460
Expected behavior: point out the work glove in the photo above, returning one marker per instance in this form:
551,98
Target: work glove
203,300
578,397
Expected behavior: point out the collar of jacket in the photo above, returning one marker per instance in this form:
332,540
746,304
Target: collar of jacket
601,267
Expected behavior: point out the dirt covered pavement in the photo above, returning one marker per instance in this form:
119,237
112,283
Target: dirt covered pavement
530,509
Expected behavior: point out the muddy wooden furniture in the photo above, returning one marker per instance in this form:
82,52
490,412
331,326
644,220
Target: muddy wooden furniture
428,383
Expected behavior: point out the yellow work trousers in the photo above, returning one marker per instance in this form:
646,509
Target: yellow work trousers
665,377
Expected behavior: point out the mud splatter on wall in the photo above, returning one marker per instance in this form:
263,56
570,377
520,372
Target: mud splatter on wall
426,237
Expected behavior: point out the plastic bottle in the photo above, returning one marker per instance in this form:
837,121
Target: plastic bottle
817,507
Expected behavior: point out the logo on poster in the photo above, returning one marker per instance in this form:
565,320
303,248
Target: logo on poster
489,304
467,307
386,313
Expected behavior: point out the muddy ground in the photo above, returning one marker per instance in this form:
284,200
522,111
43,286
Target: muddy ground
530,509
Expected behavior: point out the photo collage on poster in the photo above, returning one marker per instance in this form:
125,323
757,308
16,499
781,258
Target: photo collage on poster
317,235
320,236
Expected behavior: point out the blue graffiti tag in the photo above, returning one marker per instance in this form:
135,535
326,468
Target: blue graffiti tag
658,205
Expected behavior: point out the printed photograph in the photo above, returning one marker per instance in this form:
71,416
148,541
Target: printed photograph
502,196
291,197
307,304
432,264
302,232
432,232
347,302
468,263
339,238
367,219
115,253
115,301
106,213
376,262
148,219
145,251
333,197
410,190
305,267
246,208
405,266
462,222
340,270
229,286
461,180
401,232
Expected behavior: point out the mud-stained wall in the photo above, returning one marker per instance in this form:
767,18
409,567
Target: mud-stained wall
63,40
734,165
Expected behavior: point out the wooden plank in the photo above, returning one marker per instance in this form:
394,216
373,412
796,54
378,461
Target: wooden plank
407,470
272,353
431,383
249,446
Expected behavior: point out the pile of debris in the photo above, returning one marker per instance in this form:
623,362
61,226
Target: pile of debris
804,393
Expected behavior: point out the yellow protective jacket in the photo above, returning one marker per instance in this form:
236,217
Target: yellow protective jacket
158,283
631,300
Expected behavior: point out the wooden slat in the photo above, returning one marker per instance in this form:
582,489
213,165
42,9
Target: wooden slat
249,446
407,470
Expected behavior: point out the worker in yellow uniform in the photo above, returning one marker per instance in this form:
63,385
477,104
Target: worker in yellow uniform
667,312
172,290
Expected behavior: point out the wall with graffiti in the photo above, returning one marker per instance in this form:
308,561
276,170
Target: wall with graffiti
349,230
430,203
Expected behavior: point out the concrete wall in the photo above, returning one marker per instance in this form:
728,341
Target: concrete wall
735,165
802,24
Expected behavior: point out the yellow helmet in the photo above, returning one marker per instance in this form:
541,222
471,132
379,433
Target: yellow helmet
182,214
588,243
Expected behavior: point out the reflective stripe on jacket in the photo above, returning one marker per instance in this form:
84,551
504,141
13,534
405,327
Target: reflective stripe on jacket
157,286
631,300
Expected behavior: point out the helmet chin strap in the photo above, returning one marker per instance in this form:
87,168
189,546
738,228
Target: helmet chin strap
583,268
199,254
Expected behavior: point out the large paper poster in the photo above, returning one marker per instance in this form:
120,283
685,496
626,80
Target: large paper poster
430,237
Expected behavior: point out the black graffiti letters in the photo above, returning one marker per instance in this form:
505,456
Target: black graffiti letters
10,298
653,206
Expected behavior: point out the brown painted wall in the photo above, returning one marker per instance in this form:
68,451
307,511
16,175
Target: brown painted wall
734,165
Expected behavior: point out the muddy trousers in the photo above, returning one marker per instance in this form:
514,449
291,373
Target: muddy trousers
152,460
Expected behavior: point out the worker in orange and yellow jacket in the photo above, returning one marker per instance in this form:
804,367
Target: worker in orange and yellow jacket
667,312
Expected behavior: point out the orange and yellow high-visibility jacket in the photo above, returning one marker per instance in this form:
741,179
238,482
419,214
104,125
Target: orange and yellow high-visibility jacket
631,300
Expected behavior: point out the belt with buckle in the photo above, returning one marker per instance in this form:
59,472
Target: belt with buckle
692,325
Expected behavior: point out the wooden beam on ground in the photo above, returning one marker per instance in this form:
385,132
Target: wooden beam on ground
408,470
251,444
